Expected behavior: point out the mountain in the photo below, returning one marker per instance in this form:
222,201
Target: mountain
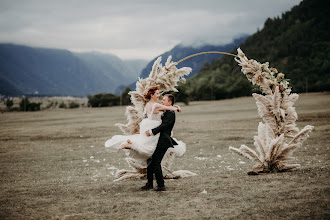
180,51
297,44
28,70
108,63
135,67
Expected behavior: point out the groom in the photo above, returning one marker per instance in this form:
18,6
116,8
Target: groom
165,141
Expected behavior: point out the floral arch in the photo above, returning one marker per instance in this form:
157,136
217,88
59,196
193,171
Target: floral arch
278,136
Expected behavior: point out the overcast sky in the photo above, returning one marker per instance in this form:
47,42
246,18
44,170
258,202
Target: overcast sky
132,29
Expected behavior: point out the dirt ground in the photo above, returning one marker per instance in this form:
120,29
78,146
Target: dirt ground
54,166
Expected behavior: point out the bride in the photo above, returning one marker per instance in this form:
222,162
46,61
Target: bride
140,146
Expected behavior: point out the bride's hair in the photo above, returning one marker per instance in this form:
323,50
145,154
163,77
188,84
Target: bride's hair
150,91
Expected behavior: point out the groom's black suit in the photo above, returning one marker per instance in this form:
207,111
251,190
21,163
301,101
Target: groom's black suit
165,141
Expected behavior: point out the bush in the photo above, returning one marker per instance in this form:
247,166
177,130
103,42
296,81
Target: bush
182,95
26,105
103,99
62,105
9,103
14,109
50,105
73,105
125,97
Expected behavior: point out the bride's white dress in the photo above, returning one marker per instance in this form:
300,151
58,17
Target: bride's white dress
142,145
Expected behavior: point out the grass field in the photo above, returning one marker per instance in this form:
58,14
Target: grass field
54,166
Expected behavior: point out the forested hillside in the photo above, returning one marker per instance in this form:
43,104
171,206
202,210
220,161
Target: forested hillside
297,44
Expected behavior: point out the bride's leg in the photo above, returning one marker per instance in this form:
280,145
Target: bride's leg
127,145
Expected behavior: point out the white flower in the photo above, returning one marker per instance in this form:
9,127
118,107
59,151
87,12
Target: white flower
204,192
240,52
265,66
229,168
201,158
274,70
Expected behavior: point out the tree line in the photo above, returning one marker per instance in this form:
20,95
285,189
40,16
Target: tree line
26,105
109,99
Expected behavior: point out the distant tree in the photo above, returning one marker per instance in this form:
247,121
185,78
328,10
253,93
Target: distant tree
73,105
103,100
182,95
9,103
33,106
26,105
125,97
62,105
50,105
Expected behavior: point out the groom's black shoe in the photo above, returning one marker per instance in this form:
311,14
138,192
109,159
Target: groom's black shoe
160,188
148,186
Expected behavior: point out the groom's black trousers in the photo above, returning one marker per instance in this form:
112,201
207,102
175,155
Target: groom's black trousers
164,142
155,167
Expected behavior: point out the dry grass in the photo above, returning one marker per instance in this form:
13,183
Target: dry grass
54,166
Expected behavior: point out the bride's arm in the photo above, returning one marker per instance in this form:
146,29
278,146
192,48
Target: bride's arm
160,107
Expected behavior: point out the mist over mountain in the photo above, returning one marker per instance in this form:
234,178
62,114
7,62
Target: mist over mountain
26,70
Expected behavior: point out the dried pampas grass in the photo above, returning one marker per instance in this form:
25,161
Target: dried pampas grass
278,136
167,78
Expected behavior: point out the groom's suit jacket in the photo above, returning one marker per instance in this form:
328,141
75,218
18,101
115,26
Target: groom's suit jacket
165,140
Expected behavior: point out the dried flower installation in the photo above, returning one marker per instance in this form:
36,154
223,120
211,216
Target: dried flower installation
167,78
278,135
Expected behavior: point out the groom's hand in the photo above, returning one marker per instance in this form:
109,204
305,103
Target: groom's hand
178,108
148,133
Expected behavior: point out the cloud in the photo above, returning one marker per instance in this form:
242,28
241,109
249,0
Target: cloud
132,29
